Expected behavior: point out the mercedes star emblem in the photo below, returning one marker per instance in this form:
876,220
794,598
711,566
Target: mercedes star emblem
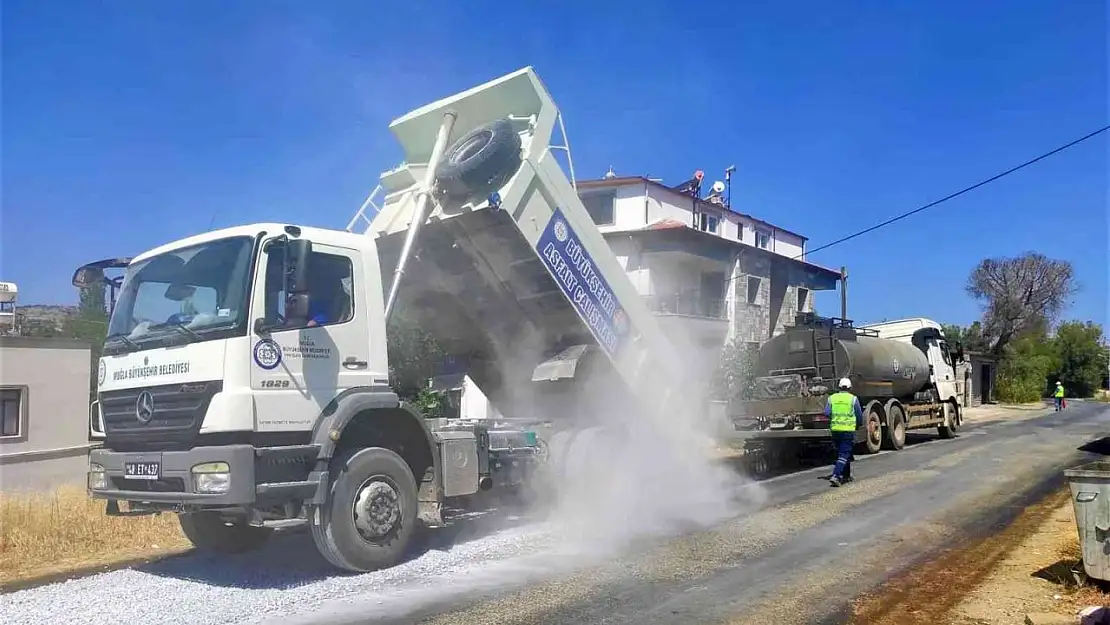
144,407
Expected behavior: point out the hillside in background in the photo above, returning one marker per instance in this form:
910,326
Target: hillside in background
44,319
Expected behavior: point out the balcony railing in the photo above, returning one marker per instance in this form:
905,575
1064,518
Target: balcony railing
693,305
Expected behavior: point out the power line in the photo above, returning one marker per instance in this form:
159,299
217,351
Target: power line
945,198
958,193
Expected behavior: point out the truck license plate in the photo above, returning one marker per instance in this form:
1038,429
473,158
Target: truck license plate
142,470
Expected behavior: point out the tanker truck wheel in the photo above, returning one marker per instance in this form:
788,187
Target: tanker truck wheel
896,427
873,425
370,514
955,420
480,162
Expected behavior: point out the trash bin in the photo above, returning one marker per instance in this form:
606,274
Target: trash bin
1090,495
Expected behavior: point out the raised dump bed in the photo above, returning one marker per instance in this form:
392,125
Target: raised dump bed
509,269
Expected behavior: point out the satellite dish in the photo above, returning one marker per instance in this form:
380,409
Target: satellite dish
718,187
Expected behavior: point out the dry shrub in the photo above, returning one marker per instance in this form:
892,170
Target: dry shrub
65,530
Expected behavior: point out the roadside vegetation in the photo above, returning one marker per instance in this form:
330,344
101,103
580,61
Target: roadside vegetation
1023,298
47,534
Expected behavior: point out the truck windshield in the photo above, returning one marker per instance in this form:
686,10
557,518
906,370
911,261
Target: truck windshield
183,295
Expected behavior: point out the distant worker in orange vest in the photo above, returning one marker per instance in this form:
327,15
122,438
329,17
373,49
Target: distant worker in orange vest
845,417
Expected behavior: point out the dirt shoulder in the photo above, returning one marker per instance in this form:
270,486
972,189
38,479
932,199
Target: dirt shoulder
1024,568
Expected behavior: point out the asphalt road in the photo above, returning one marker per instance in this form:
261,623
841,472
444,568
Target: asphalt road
810,549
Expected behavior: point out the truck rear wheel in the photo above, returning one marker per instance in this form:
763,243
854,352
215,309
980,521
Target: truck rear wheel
896,427
371,511
873,424
212,532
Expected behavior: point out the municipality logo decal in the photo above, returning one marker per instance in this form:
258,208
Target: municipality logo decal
267,354
561,231
101,372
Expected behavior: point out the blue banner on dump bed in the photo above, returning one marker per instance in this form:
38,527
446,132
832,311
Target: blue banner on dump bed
571,266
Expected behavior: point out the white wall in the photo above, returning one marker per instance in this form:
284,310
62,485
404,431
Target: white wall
475,404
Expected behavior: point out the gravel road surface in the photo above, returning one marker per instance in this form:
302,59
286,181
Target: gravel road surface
800,558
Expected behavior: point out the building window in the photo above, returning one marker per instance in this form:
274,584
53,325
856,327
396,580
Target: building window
600,208
11,412
803,299
708,222
753,289
762,239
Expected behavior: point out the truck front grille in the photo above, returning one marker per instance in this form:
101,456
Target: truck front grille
178,411
164,485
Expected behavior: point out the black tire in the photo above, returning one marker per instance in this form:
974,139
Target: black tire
337,535
873,426
480,162
895,433
210,532
946,431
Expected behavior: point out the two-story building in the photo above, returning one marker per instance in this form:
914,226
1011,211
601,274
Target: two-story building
711,273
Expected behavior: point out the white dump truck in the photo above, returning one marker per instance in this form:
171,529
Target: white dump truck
245,378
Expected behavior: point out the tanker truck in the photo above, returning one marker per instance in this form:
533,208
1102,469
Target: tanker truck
245,383
904,373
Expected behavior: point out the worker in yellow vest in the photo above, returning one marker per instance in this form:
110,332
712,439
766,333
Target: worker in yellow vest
845,417
1058,395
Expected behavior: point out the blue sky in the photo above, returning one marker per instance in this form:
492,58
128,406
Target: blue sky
127,124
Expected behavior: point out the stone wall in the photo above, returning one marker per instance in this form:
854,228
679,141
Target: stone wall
751,320
773,307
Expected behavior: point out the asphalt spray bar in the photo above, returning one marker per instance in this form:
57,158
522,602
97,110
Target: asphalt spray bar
518,278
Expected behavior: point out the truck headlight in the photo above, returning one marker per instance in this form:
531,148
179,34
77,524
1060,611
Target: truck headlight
211,478
98,479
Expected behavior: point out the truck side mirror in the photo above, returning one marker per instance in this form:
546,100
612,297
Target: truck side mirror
296,259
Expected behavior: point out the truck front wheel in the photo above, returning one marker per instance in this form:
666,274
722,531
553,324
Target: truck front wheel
215,533
370,514
952,424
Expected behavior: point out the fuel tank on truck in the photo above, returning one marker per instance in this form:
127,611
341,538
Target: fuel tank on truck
877,367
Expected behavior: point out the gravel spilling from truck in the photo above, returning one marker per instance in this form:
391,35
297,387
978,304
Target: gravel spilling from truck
254,587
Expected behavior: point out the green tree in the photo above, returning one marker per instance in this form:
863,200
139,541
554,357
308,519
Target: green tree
1080,356
90,324
414,357
732,379
1020,295
1024,367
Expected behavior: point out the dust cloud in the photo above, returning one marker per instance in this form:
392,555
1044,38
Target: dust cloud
630,464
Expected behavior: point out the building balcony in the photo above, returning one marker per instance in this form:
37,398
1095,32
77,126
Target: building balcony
688,306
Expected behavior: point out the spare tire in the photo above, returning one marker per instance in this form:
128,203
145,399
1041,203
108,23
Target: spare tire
480,162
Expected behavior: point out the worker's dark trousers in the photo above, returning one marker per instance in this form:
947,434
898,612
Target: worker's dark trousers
1059,402
844,442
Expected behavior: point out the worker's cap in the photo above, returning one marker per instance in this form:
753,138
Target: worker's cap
844,383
